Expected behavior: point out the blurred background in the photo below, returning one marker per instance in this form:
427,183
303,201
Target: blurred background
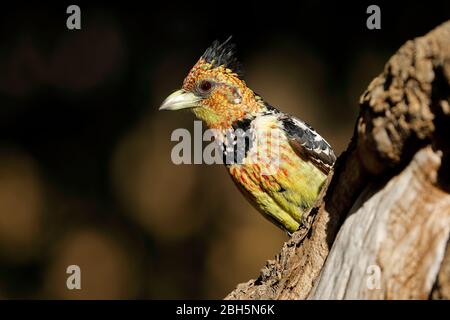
85,171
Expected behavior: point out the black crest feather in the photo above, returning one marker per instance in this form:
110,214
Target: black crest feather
223,54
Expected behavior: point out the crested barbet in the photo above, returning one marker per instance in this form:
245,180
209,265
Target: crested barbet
283,185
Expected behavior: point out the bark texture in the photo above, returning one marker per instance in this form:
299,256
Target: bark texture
382,229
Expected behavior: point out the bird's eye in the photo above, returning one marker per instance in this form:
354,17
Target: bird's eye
205,86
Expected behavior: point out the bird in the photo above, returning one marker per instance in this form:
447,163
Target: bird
216,92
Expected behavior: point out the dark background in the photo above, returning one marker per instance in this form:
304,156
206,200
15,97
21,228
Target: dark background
85,170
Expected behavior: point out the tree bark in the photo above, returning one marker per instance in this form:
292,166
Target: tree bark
382,229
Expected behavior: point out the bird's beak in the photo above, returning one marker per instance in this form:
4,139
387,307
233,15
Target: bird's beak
180,99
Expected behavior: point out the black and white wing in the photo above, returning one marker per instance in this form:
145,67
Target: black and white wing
307,143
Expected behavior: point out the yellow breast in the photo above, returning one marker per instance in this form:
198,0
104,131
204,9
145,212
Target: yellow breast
281,185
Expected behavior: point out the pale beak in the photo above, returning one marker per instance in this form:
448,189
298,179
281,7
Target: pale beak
180,99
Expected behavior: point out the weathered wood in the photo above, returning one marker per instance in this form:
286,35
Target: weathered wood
390,193
399,229
442,286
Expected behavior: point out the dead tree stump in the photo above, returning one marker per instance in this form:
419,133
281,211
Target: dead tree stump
382,230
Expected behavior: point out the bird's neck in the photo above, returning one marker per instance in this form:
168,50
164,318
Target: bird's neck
234,116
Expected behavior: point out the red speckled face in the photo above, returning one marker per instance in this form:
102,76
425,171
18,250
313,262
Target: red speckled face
224,98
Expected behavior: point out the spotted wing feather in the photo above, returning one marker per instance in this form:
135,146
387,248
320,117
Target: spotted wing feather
308,144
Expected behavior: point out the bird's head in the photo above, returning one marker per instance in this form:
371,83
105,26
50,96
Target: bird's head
214,90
